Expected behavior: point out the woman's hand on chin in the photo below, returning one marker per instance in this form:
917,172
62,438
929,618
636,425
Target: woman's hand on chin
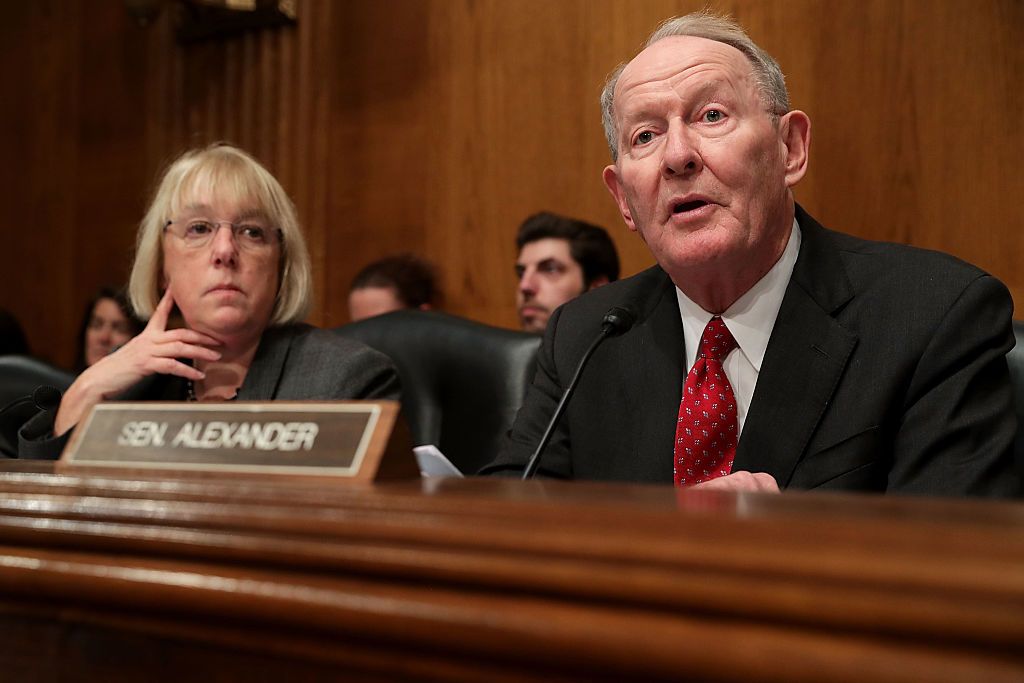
155,350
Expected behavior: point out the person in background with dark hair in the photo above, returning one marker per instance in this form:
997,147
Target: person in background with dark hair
559,259
108,322
392,284
12,337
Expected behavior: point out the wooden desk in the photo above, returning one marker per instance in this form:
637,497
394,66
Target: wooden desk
485,580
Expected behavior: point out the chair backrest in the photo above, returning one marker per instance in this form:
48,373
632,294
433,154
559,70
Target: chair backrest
1015,360
462,381
19,377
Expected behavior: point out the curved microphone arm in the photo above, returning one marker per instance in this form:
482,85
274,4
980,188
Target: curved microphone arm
618,320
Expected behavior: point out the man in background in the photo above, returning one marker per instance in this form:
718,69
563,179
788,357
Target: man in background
559,259
393,284
12,336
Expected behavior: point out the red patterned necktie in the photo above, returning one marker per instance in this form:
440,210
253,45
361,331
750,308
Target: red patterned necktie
707,431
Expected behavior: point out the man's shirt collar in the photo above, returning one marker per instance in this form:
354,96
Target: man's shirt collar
751,318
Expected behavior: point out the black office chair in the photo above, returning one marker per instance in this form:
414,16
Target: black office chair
19,377
462,381
1015,360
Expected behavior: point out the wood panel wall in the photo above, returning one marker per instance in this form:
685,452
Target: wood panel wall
435,126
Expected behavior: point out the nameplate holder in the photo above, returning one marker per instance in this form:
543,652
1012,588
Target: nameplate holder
358,441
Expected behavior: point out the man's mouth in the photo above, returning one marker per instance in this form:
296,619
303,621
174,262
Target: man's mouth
686,207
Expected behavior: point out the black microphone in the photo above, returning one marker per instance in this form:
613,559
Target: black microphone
44,397
618,320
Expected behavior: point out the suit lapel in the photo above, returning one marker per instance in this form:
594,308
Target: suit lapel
264,377
805,358
656,353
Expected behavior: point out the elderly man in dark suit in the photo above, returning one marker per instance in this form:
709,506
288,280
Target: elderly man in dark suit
768,351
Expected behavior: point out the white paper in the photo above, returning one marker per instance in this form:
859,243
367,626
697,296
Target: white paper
433,463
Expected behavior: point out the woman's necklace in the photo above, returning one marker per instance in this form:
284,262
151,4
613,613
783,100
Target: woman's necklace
190,392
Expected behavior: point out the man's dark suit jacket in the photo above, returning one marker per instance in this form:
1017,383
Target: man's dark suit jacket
885,371
292,363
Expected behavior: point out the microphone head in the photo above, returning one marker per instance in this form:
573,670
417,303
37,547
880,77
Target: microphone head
46,397
618,320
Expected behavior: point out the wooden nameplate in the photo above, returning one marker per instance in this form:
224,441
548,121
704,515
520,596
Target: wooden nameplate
360,441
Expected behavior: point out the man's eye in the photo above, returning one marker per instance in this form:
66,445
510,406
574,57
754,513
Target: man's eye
198,228
643,138
713,116
550,268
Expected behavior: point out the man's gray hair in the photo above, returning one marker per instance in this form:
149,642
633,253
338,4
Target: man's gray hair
771,84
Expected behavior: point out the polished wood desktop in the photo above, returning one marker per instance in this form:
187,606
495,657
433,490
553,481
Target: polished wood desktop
109,578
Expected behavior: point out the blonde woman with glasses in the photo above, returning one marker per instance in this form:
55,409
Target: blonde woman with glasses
220,244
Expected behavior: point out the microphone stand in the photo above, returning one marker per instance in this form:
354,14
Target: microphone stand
617,321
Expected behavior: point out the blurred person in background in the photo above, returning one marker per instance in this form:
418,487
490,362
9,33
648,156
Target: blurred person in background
393,284
559,258
107,324
12,337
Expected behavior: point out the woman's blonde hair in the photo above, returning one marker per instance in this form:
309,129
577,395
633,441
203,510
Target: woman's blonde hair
231,175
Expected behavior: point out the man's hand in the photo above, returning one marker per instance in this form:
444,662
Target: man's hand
741,481
155,350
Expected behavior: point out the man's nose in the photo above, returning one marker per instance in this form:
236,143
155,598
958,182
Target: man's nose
527,282
681,155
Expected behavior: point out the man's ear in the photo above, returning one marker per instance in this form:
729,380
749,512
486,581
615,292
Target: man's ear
795,131
598,281
611,181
